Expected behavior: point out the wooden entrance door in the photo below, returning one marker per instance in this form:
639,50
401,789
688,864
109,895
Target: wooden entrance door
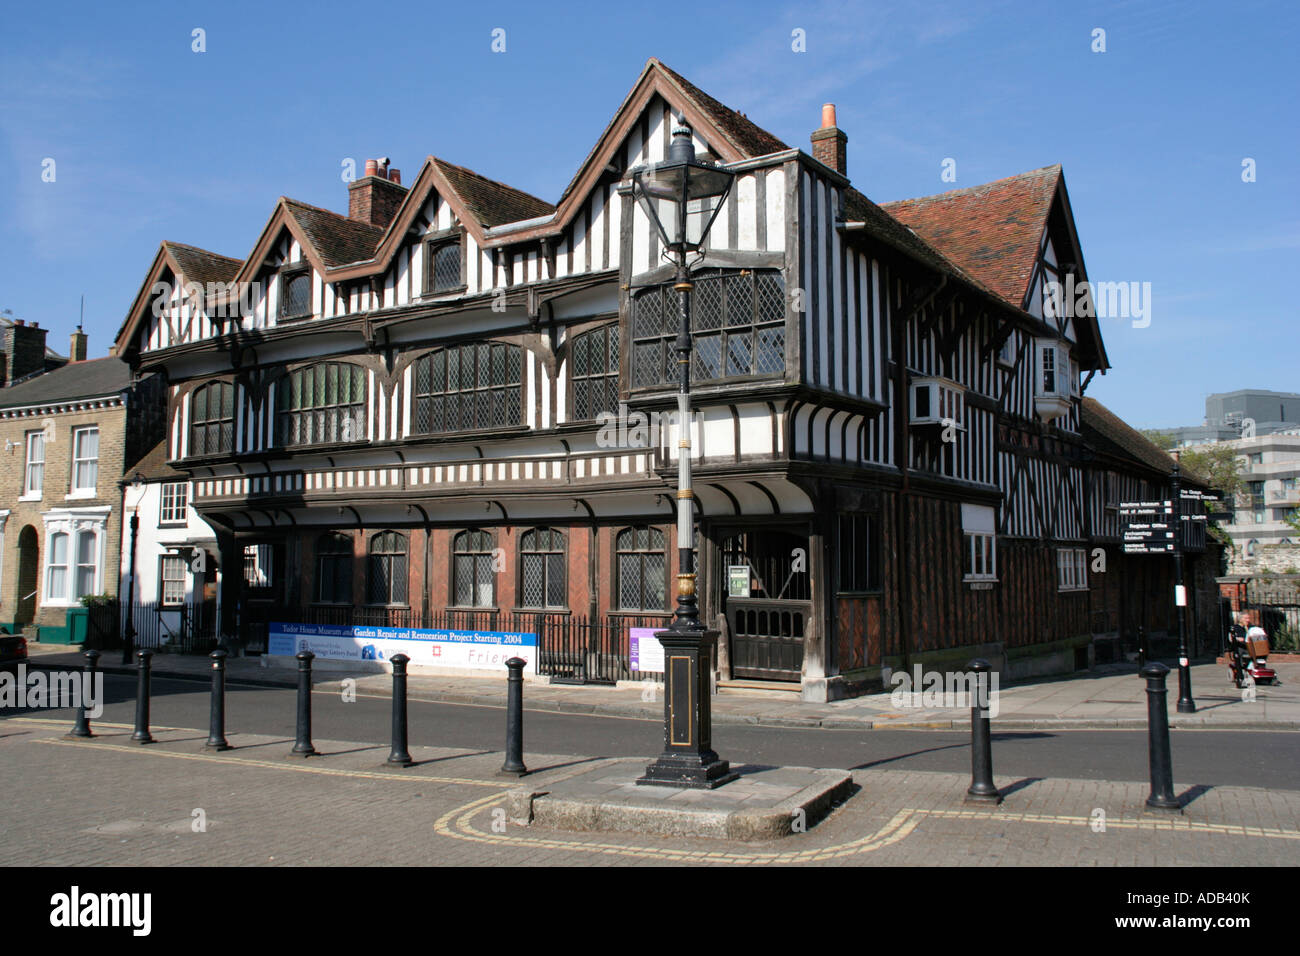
766,624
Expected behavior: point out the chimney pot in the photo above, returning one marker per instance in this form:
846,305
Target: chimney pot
20,322
395,176
372,167
829,143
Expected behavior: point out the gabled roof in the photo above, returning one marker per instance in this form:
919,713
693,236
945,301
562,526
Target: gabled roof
190,263
993,230
94,378
335,239
199,265
490,203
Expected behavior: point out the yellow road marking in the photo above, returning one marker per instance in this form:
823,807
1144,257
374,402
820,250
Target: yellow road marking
303,767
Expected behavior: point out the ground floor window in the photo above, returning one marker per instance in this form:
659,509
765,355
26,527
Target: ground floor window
1072,569
541,553
334,569
641,569
473,569
857,553
979,543
73,555
171,581
386,572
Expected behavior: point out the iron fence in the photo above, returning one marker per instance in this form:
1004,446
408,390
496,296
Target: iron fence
183,629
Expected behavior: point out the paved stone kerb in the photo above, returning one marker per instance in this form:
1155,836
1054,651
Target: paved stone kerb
764,804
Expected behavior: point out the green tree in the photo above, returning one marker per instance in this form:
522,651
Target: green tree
1162,440
1215,464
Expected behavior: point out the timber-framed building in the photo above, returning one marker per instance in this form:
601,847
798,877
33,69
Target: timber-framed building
433,407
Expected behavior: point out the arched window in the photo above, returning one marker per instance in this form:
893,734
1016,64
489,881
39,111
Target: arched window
476,385
334,569
386,570
641,569
541,553
595,373
212,419
321,403
737,321
473,569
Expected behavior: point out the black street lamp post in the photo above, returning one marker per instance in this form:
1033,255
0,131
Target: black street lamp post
128,633
682,198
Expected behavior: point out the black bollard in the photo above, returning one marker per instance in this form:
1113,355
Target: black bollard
142,735
1162,771
302,747
81,728
514,765
399,756
982,789
217,710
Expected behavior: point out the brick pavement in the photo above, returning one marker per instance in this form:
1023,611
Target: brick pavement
108,801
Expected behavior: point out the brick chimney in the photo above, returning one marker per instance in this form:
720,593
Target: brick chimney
77,347
829,144
24,351
375,197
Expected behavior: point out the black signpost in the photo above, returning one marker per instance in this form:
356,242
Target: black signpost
1157,527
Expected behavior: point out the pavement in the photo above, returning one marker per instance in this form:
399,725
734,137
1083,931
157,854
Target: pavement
109,802
1111,697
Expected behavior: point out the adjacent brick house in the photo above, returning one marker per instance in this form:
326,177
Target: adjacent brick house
68,437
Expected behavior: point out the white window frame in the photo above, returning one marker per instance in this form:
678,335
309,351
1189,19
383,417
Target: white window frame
175,560
1071,569
31,493
980,541
59,596
73,522
1060,369
79,490
179,494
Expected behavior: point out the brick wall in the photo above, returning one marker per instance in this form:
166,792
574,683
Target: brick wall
56,487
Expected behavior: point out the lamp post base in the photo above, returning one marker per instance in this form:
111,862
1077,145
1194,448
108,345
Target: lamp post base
688,771
688,760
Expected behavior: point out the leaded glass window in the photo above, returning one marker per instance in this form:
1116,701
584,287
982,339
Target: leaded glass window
641,569
474,569
295,295
737,328
444,267
334,569
475,385
386,569
212,419
322,403
542,569
595,373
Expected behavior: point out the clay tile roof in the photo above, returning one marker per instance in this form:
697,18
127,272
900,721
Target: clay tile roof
992,231
490,202
199,265
337,239
753,139
1106,432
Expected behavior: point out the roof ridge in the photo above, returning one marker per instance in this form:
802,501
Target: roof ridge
969,190
206,252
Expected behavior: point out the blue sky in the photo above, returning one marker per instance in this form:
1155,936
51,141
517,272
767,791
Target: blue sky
153,141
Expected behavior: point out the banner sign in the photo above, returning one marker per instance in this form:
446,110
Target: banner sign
647,652
479,650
